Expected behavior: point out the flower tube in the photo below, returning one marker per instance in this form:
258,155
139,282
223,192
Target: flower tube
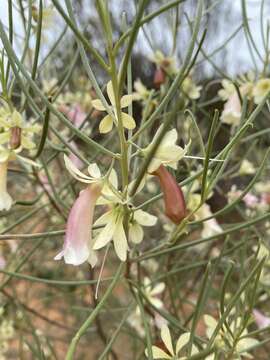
5,198
78,245
175,206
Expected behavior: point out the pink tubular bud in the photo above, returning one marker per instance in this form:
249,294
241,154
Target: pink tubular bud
175,206
159,77
15,139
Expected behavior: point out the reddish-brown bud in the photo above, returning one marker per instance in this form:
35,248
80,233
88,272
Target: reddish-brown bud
15,139
174,201
159,77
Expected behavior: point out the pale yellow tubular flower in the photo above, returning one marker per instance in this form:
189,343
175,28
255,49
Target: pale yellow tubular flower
261,88
106,123
168,153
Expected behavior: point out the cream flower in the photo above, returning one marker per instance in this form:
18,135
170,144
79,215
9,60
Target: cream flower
167,63
224,339
93,171
168,153
192,90
173,353
114,228
227,91
78,244
141,93
247,168
231,113
135,321
113,231
261,88
48,16
140,218
152,292
15,135
210,227
106,123
13,126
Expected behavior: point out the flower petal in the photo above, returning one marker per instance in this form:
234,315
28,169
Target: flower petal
158,353
171,153
120,240
154,165
106,124
156,302
75,172
182,341
4,137
104,219
94,171
167,339
125,101
5,201
158,289
110,93
128,121
145,219
97,104
135,233
106,234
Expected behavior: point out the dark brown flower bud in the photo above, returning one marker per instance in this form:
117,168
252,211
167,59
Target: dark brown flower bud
159,77
174,201
15,138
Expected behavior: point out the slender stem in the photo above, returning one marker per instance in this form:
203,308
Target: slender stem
73,345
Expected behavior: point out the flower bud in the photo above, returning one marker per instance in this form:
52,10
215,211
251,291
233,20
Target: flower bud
15,138
175,206
159,77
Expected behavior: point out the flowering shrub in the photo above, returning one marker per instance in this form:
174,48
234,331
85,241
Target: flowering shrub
153,196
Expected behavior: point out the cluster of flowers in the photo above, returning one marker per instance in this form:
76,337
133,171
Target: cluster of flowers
103,190
231,339
246,86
